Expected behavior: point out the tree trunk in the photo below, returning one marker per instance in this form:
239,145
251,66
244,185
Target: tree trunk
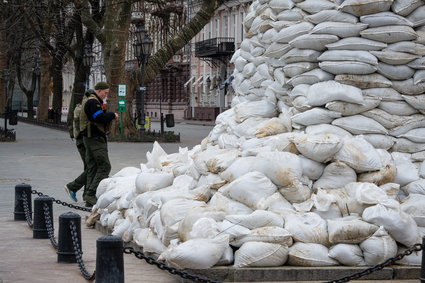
43,103
116,31
57,88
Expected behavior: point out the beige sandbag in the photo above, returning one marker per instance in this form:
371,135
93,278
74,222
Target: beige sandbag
267,234
335,175
364,7
307,228
320,148
349,230
196,253
257,219
260,254
310,254
364,81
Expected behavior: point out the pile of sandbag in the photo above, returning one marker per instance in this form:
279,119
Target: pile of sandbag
320,160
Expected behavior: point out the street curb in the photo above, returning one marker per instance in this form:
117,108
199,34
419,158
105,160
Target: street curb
290,273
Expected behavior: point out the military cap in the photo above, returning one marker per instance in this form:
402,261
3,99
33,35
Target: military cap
101,85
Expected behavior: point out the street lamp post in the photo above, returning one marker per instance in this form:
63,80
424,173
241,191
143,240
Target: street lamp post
142,50
88,59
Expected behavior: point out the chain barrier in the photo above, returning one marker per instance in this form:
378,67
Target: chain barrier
390,261
62,202
49,226
163,266
78,255
27,209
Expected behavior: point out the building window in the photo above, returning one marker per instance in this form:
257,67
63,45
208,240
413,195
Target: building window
234,26
241,20
217,27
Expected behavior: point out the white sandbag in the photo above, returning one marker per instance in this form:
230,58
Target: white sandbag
417,16
358,124
315,116
349,109
406,170
347,67
348,55
310,254
222,161
186,225
196,253
356,43
310,77
413,259
415,187
313,41
257,219
415,135
262,108
154,157
294,15
359,155
268,234
378,248
297,68
400,225
149,241
406,146
175,210
307,228
408,46
324,92
349,230
405,7
229,206
234,231
340,29
279,5
126,172
320,148
326,129
384,19
390,34
260,254
120,227
395,72
285,35
347,254
276,203
364,81
394,58
413,205
153,181
384,94
387,120
417,101
280,167
300,55
400,108
379,141
204,227
331,16
391,189
364,7
249,189
335,175
310,168
315,6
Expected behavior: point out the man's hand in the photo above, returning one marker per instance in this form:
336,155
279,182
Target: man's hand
116,115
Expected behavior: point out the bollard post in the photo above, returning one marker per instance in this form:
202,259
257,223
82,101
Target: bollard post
109,260
19,211
65,246
423,262
39,228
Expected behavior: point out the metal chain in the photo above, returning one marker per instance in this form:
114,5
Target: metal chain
163,266
62,202
78,255
390,261
27,209
49,226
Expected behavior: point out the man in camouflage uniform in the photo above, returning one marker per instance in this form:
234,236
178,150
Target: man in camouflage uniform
95,122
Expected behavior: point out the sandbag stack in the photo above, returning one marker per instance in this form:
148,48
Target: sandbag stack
320,160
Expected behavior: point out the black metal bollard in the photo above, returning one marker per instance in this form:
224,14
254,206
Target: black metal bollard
109,260
423,262
19,201
39,228
65,246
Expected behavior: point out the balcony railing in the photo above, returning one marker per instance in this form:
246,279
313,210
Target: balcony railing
215,47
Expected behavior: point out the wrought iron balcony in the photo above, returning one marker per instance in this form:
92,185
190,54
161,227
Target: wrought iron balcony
215,47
